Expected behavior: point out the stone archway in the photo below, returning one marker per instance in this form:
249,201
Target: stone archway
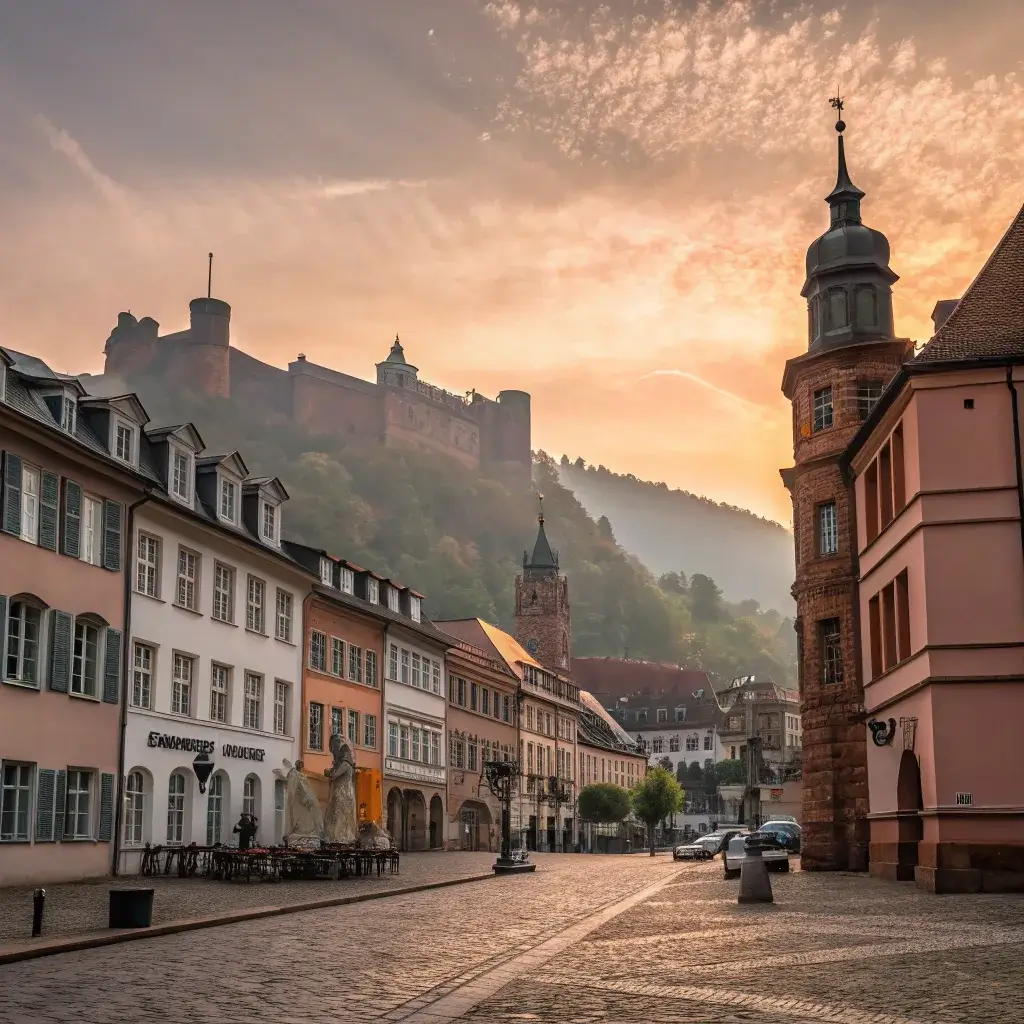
435,835
909,804
475,823
415,820
395,819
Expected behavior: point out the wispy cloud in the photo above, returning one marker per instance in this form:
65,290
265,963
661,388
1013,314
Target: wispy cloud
63,142
730,396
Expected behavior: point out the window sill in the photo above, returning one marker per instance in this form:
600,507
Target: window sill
257,632
288,643
149,597
26,841
139,707
86,696
184,608
223,622
23,685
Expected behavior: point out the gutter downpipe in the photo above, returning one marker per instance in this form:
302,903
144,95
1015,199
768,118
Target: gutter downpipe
125,667
1016,451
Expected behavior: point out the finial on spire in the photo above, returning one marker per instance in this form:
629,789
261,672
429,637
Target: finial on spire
540,504
836,103
209,276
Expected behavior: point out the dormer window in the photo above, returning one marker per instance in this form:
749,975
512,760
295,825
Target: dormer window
373,591
228,505
414,608
124,442
348,581
181,476
326,572
268,523
393,599
68,415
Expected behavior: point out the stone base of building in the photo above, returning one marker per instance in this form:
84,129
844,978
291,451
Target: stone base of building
970,867
894,862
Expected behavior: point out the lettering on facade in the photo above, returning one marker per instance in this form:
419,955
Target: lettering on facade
418,772
246,753
192,745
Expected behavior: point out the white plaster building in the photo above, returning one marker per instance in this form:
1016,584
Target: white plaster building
415,754
215,641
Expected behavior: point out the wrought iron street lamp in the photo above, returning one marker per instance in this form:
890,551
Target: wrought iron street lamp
501,780
202,765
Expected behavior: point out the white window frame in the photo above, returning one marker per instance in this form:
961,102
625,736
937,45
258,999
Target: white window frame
185,495
177,799
143,669
91,547
347,580
220,694
215,809
187,580
249,802
326,571
147,564
415,608
315,713
223,595
284,617
394,600
281,694
182,683
23,792
134,809
828,529
77,819
256,605
337,663
370,730
269,509
318,650
30,503
79,686
40,649
372,591
252,702
226,487
116,449
68,413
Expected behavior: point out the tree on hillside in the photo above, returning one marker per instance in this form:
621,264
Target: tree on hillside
604,528
656,797
603,802
731,772
705,599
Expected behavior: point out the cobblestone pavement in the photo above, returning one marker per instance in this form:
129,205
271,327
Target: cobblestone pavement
82,907
586,939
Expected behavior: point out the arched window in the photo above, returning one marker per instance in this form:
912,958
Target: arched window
134,808
251,795
673,744
23,650
176,809
216,795
279,823
867,306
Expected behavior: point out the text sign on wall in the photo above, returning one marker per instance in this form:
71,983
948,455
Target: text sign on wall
246,753
189,743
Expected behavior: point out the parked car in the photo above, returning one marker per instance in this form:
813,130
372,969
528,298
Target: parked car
775,856
706,847
787,832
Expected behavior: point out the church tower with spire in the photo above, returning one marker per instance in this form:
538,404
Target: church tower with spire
543,623
852,354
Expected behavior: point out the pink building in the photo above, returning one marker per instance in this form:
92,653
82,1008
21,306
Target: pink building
939,501
64,512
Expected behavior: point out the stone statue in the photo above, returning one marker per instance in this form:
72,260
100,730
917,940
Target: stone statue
304,820
341,825
373,837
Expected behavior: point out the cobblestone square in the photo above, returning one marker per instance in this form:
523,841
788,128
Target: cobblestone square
586,939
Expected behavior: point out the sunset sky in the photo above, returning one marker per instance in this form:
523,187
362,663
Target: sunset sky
606,205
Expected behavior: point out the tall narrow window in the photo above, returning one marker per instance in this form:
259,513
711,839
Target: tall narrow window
371,668
78,806
315,730
899,479
84,667
269,523
370,731
188,580
285,603
353,726
181,685
215,810
223,592
871,501
124,443
337,657
252,716
220,682
867,306
281,708
255,605
889,646
92,530
142,679
147,579
134,809
180,482
902,616
15,801
822,409
831,651
392,662
393,739
355,663
868,394
21,664
176,809
228,500
885,485
838,309
30,505
828,529
249,795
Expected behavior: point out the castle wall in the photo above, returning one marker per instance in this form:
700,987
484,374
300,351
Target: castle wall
204,369
412,422
260,385
325,407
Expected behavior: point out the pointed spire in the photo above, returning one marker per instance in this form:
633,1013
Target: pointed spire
544,560
845,198
397,353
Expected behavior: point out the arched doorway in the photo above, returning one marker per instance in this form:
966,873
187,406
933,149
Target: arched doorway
474,822
415,820
909,803
395,819
436,833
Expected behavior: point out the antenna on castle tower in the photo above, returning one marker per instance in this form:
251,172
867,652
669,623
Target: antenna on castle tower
209,278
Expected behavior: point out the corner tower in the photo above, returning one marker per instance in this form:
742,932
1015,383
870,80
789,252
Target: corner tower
543,622
851,356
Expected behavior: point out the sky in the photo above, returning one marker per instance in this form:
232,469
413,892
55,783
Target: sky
604,204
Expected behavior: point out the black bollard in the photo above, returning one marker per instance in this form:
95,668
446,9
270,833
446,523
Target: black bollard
38,902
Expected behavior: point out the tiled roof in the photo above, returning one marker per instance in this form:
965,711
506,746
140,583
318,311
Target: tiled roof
988,322
490,638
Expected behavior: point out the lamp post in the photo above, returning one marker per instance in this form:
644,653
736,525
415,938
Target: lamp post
500,777
202,765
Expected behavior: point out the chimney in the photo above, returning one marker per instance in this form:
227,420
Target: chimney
940,314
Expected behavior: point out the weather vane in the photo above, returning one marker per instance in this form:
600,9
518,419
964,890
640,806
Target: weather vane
837,105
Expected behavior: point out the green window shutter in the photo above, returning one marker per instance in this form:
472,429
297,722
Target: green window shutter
106,832
3,634
60,651
112,536
10,520
49,510
60,795
72,540
46,782
112,666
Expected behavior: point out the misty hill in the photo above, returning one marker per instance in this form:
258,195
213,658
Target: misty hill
673,530
458,537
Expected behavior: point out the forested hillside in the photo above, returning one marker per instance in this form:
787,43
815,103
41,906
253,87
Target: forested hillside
459,538
749,557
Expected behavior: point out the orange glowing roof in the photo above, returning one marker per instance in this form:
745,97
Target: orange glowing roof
508,647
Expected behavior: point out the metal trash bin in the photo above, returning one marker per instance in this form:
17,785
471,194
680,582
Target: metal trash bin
131,908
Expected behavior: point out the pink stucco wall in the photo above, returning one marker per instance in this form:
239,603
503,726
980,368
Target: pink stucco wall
55,730
958,538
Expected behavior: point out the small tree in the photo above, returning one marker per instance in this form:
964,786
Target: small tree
656,797
732,772
666,763
603,802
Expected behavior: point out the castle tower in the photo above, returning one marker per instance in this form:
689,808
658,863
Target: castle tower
851,355
543,622
131,347
395,371
205,354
